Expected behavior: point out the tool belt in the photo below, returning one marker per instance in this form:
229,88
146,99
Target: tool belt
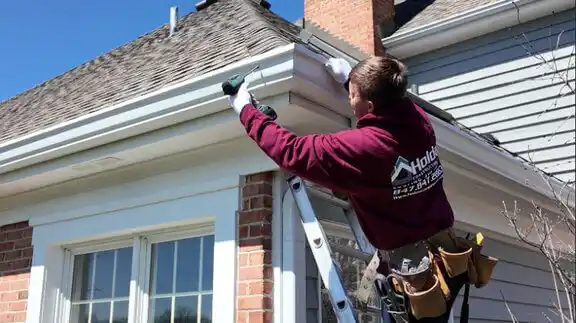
448,263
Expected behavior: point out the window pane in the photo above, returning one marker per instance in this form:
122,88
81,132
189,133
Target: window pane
206,309
207,262
186,309
188,268
82,282
100,285
163,270
120,312
101,313
161,310
123,272
104,272
80,313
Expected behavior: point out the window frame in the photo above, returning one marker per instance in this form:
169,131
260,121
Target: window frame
141,243
50,278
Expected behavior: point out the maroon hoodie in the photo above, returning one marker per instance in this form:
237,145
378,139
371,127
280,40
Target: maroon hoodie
388,166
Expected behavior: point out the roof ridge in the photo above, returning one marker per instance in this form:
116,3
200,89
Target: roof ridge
260,24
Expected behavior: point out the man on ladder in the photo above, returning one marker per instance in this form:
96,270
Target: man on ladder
390,170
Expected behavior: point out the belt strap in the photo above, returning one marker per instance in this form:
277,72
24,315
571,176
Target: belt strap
366,287
465,309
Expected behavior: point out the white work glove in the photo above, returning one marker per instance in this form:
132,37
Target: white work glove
339,69
241,98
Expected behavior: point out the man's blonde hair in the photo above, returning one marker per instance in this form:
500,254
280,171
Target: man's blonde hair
380,79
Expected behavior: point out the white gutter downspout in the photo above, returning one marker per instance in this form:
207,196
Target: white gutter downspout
293,304
277,244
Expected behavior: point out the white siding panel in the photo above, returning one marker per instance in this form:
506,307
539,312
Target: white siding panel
535,71
503,124
526,63
523,277
520,101
566,177
513,84
559,166
547,142
538,108
549,154
532,131
454,100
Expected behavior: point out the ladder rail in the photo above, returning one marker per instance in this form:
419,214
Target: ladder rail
329,271
363,243
321,248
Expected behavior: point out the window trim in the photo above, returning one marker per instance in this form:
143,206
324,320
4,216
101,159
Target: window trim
49,286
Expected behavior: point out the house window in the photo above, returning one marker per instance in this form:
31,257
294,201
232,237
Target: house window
171,281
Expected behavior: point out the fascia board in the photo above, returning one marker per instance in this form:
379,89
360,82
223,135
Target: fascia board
174,104
467,25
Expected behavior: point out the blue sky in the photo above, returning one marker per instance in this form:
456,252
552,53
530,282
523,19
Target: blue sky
41,39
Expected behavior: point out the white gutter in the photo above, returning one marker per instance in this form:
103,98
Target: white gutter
476,150
476,22
180,102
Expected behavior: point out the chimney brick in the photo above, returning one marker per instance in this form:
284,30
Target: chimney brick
355,21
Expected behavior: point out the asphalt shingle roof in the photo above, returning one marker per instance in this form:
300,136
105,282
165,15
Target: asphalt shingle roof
441,9
225,32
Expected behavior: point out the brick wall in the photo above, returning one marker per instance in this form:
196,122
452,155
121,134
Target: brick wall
354,21
15,263
255,278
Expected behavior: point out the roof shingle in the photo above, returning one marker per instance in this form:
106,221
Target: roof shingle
438,10
224,32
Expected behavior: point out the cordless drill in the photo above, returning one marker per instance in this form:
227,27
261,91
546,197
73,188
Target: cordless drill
232,85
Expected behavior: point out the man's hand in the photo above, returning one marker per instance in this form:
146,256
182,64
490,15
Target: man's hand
339,69
241,98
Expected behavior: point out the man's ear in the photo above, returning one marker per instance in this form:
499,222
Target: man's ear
370,107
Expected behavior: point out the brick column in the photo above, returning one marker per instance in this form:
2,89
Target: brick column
15,264
255,278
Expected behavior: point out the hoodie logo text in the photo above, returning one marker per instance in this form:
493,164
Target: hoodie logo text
411,177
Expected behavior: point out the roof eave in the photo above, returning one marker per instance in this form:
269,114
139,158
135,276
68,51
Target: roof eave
467,25
165,107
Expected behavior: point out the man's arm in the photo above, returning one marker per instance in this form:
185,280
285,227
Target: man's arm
328,160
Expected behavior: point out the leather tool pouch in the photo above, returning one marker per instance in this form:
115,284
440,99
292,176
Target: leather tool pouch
425,293
427,303
468,258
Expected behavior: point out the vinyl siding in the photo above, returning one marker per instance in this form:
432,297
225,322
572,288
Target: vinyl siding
492,85
522,276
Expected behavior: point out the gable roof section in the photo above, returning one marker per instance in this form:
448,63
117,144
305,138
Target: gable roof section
412,13
224,32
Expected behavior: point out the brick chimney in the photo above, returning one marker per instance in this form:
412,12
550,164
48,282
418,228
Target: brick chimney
354,21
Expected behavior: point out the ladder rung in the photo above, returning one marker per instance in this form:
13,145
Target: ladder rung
328,197
347,251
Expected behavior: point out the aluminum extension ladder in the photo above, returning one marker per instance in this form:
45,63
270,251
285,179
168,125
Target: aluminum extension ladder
329,272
